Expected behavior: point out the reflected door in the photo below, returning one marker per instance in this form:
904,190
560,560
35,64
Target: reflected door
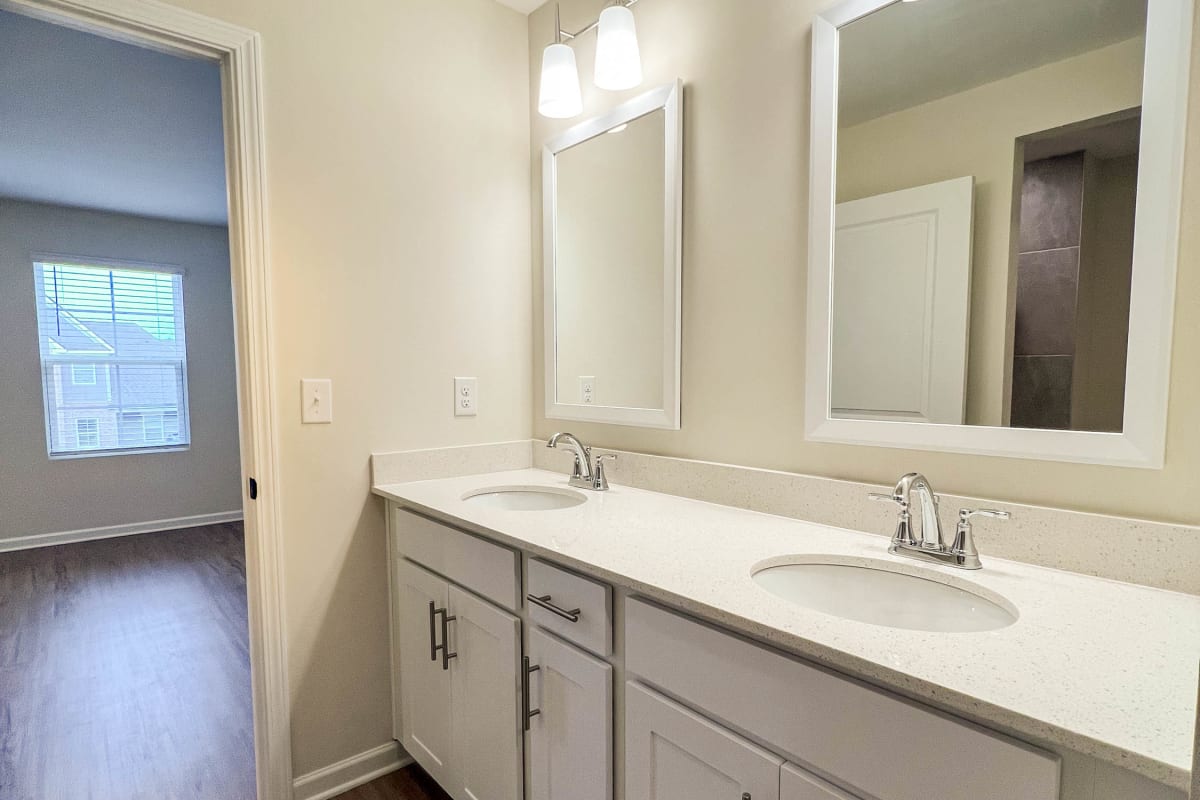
901,303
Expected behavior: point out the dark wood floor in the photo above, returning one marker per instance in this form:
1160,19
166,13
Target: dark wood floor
407,784
125,670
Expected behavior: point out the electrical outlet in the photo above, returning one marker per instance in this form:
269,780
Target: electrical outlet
316,401
466,397
587,389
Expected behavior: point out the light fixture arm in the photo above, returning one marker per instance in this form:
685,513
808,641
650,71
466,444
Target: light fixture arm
560,34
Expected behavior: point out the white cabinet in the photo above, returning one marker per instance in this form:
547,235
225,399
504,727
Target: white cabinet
797,784
570,729
672,753
425,725
485,690
459,686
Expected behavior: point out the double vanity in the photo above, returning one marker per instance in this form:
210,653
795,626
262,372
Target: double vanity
555,642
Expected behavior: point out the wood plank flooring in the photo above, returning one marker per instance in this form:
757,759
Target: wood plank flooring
410,783
125,670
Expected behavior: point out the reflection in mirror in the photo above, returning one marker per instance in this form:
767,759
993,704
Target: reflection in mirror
986,185
612,191
609,283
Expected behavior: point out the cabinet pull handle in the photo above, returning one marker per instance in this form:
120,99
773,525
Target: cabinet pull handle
527,670
444,647
544,602
433,646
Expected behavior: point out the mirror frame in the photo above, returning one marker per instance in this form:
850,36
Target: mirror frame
1142,441
669,98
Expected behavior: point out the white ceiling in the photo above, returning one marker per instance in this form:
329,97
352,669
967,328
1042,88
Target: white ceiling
911,53
524,6
94,123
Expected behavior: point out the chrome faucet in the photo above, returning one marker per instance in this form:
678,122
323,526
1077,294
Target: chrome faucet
932,546
585,474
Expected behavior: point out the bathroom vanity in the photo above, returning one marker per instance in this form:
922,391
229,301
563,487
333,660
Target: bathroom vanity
557,643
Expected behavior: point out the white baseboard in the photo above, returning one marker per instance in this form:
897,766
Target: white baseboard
90,534
345,775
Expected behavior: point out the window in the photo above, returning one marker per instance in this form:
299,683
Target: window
87,433
114,365
83,375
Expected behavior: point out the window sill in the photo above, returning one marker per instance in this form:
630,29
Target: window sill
129,451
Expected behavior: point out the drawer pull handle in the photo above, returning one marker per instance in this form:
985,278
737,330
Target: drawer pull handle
433,647
444,647
544,602
530,713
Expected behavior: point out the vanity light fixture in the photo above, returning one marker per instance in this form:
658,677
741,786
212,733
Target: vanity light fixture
558,92
618,61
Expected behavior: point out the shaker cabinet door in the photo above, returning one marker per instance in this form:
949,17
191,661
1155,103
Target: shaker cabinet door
570,736
486,690
672,753
425,719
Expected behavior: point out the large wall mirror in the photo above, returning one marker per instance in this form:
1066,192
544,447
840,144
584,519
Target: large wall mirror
995,216
612,189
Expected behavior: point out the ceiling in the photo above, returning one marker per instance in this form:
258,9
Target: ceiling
524,6
94,123
910,53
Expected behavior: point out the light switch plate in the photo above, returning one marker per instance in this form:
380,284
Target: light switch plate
587,389
316,401
466,397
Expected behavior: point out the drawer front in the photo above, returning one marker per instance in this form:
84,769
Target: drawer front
487,569
859,736
576,608
796,784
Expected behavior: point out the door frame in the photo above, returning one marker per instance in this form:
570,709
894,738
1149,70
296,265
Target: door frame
238,51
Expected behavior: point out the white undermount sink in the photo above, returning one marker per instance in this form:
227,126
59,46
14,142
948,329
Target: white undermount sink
877,592
524,498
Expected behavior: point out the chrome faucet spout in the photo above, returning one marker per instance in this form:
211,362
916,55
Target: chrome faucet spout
583,455
931,524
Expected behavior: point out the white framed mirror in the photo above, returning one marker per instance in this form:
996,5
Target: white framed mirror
995,209
612,194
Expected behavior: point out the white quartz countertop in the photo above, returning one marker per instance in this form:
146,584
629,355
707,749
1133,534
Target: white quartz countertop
1103,668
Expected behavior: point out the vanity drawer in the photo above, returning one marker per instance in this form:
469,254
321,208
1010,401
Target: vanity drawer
487,569
857,735
576,608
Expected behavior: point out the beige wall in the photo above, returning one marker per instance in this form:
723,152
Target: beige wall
39,495
974,133
609,274
397,147
746,72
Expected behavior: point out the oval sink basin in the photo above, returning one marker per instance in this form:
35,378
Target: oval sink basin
881,595
524,498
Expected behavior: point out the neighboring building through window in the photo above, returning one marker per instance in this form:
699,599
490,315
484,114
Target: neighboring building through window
87,433
83,375
114,364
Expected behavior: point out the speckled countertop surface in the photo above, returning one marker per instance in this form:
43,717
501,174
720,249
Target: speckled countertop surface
1103,668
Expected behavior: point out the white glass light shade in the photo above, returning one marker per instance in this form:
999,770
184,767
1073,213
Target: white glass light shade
618,60
558,94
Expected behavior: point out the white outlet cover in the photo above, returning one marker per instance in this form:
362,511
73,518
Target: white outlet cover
316,401
466,397
587,389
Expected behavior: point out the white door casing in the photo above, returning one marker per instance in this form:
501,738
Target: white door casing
901,304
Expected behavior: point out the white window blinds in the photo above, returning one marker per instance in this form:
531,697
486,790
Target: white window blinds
124,326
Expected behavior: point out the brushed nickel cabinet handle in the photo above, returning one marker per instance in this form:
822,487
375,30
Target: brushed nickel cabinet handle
433,647
445,645
527,670
544,602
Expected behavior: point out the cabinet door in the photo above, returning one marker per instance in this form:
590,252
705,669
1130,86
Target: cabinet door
570,738
798,784
425,718
672,753
486,690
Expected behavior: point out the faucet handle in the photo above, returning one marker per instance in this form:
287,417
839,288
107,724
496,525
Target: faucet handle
904,534
965,514
964,538
884,497
600,480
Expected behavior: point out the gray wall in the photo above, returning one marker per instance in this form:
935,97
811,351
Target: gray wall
38,495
